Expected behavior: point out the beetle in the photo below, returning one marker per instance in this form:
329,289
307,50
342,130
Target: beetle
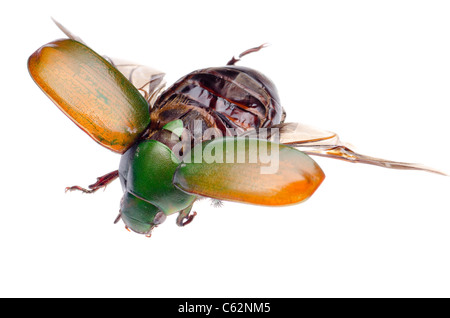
207,135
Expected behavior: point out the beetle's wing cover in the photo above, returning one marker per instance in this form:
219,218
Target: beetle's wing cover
91,92
149,81
323,143
249,170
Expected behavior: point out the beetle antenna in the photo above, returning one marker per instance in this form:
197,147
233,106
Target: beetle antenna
189,219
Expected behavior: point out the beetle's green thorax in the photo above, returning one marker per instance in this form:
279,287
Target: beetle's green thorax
146,172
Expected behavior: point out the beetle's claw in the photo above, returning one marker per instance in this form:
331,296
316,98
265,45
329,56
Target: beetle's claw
78,188
188,219
185,216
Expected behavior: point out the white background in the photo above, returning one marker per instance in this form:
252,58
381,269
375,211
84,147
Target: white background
376,72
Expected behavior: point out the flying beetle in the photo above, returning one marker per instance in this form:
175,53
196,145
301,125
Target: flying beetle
166,165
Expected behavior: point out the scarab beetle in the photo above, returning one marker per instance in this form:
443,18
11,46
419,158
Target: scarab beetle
208,135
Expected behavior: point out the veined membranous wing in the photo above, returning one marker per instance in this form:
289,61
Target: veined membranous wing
318,142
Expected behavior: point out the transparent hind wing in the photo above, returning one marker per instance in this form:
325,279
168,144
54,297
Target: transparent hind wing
298,135
345,153
317,142
149,81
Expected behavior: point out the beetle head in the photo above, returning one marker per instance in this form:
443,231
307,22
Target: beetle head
139,215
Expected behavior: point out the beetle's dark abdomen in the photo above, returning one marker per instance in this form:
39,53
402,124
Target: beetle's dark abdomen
220,97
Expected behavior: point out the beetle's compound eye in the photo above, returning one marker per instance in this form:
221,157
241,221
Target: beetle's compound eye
160,217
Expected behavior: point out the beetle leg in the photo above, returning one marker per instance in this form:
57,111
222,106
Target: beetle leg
252,50
102,182
189,218
185,217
